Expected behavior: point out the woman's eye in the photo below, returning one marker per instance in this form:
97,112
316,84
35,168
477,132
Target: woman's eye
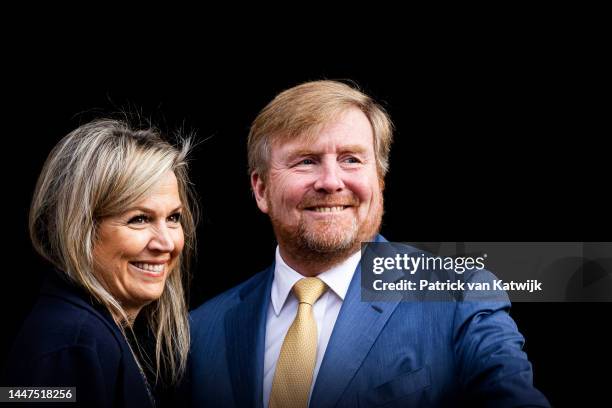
175,217
139,219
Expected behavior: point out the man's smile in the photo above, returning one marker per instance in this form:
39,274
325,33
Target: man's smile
327,208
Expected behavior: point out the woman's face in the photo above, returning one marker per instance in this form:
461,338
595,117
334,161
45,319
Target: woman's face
136,251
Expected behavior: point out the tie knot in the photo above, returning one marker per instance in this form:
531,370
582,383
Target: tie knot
309,290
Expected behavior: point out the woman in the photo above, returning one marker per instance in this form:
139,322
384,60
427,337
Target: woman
113,212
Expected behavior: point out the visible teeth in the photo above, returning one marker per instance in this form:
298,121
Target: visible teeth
329,209
150,267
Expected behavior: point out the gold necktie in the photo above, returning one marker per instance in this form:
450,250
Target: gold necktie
296,362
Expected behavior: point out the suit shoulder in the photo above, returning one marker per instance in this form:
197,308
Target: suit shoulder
216,306
60,339
55,324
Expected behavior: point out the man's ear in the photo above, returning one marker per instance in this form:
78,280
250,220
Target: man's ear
259,190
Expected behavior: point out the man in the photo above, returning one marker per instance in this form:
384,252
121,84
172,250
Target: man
298,334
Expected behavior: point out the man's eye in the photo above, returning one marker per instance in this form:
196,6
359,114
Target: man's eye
139,219
175,217
306,161
352,160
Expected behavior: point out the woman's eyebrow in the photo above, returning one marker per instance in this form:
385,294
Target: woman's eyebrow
149,210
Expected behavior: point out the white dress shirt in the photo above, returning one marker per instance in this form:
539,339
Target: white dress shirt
283,309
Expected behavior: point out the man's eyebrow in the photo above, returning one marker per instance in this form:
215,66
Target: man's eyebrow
299,153
353,149
358,149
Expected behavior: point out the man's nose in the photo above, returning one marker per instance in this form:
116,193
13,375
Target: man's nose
329,178
162,239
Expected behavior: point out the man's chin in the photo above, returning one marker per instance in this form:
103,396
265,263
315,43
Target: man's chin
328,243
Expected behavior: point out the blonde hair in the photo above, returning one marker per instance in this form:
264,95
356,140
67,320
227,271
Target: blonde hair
302,110
97,170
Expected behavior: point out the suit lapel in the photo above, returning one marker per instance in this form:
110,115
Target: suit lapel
245,340
357,327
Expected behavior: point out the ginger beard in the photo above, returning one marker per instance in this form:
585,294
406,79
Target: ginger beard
329,239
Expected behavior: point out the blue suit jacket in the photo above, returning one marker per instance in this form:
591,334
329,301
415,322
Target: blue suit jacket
70,341
425,354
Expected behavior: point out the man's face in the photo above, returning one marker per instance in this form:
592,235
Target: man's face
324,196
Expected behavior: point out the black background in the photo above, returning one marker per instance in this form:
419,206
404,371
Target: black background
495,141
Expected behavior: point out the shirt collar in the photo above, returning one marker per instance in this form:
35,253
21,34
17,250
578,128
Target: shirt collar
337,279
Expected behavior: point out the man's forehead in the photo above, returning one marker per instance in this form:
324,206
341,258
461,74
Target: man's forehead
350,132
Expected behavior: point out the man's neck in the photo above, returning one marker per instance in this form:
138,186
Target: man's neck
313,264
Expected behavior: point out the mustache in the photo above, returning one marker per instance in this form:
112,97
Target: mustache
330,200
